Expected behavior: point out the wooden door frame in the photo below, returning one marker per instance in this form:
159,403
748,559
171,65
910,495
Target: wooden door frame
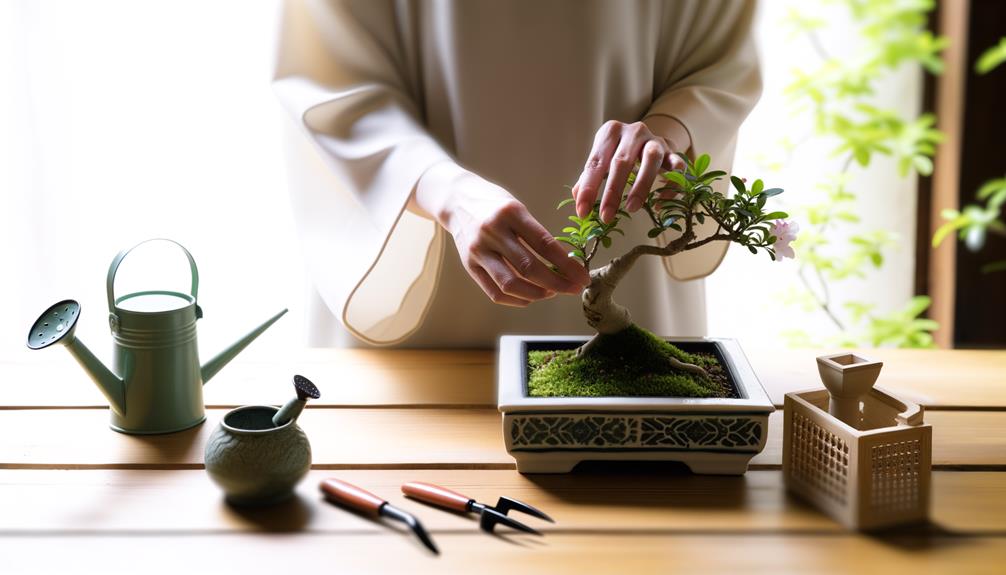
940,268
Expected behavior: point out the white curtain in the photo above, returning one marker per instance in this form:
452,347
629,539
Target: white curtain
126,120
123,120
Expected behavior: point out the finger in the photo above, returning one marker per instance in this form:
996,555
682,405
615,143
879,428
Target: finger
596,167
528,266
652,158
487,284
509,282
622,162
674,162
541,241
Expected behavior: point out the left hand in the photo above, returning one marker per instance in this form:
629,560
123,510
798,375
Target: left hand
617,148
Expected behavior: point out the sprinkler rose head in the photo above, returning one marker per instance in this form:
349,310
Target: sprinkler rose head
55,325
293,408
305,389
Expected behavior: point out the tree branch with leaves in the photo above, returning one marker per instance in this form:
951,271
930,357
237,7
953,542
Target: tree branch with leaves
974,222
685,200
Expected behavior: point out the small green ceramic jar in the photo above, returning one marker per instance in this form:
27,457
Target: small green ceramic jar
254,461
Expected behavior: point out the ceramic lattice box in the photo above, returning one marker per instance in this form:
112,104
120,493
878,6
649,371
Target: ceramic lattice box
872,473
553,434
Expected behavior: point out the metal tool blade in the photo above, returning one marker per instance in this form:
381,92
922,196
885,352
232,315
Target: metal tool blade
505,504
392,512
490,517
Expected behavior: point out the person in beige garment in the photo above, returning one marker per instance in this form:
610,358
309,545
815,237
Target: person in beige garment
431,141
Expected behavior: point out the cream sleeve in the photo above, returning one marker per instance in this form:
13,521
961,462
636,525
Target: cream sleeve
710,90
356,149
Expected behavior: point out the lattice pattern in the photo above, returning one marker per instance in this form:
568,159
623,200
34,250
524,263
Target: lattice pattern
896,476
819,459
637,432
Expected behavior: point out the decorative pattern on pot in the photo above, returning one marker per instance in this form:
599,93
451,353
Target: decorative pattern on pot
578,431
254,461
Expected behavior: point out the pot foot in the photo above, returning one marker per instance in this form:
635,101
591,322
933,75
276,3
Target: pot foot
546,462
718,464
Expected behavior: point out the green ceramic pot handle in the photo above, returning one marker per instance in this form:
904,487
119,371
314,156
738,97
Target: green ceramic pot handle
112,269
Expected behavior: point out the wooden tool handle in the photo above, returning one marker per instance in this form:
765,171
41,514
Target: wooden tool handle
352,496
437,495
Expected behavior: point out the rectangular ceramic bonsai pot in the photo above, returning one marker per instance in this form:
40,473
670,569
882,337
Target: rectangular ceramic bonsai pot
552,434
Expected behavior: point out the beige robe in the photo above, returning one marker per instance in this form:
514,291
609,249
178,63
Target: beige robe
513,90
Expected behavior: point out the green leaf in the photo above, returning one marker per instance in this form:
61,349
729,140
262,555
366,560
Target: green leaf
923,165
947,228
752,249
862,155
565,203
654,232
700,217
999,266
606,241
676,177
917,305
701,163
738,184
991,187
675,227
772,192
776,216
757,187
570,230
991,58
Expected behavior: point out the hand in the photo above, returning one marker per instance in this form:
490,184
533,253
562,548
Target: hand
500,243
617,148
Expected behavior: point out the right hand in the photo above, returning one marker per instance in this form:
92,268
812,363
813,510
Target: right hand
501,245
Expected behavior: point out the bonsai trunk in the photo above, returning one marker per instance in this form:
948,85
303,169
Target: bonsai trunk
599,306
607,316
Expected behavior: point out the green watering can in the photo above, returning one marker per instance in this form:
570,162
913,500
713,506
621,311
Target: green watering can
156,385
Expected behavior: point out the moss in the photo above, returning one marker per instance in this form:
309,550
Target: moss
631,363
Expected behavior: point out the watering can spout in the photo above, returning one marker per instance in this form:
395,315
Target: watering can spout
58,326
217,363
111,385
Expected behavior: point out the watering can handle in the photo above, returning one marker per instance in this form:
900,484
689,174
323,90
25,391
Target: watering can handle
112,269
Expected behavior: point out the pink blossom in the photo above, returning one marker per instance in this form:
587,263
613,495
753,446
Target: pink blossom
785,232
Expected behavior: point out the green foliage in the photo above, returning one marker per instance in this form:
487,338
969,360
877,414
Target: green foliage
686,199
900,328
589,232
992,58
839,96
974,222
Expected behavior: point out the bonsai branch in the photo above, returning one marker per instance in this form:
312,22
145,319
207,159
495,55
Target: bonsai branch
740,219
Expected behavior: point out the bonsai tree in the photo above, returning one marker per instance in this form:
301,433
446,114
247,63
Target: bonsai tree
684,201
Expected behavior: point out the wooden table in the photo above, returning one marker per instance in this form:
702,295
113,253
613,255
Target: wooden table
77,497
